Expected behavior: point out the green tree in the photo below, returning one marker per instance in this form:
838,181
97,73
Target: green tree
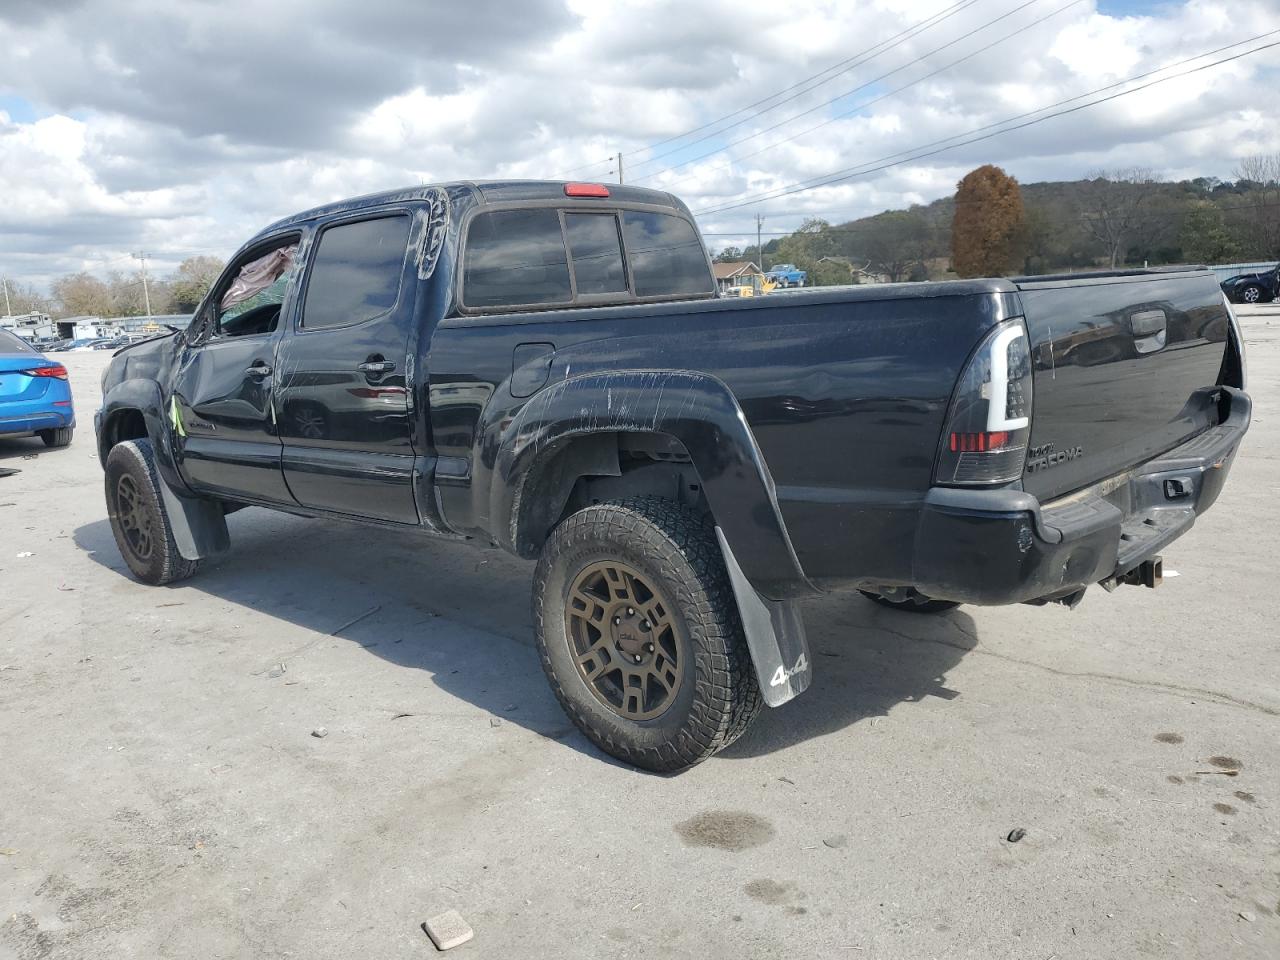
988,233
192,281
1205,236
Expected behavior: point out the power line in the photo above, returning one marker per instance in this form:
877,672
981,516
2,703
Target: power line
835,70
860,106
849,173
865,56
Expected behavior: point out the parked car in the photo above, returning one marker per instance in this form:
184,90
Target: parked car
58,346
35,396
85,344
787,275
547,367
1261,287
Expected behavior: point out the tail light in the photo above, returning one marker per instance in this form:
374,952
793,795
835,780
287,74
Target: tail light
989,422
57,371
1236,376
586,190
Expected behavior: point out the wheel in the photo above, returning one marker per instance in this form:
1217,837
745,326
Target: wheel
1251,294
639,635
58,437
138,517
911,603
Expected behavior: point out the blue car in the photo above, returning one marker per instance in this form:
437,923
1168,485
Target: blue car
35,397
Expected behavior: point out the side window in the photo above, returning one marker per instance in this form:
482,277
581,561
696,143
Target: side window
596,252
356,272
251,303
666,255
515,257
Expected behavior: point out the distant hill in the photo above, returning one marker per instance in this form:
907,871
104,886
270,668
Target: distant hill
1117,220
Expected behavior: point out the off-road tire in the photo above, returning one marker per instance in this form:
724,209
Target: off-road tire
921,605
57,437
162,563
676,548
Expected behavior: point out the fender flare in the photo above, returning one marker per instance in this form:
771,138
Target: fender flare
199,525
696,409
702,414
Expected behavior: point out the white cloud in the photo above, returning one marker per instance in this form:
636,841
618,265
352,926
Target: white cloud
182,127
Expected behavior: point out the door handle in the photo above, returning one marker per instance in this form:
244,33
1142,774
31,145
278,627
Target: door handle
376,366
259,370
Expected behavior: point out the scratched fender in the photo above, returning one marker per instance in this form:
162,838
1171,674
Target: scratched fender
701,413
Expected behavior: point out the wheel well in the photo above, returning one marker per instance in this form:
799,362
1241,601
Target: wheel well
120,426
599,467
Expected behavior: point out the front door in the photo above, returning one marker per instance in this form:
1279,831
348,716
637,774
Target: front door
220,411
341,398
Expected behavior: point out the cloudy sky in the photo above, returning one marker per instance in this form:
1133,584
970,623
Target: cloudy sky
180,127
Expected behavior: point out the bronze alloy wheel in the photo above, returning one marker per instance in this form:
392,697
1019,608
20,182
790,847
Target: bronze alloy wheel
624,640
135,520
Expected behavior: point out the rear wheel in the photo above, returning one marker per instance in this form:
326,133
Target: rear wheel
138,517
1251,294
911,602
58,437
639,635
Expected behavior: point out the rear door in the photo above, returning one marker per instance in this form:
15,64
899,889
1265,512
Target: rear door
1124,368
341,398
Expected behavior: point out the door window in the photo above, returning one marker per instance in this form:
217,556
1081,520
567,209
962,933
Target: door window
596,252
356,273
251,303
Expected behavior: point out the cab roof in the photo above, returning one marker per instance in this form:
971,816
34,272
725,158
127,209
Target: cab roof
484,191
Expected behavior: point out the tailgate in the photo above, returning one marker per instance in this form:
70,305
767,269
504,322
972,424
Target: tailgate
1123,367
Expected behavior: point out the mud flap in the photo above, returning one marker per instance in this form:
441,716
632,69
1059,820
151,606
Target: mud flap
199,526
775,636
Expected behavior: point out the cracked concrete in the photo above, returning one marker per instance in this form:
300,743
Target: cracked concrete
162,796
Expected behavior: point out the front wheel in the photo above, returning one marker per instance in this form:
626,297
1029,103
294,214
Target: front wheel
639,635
138,517
1251,294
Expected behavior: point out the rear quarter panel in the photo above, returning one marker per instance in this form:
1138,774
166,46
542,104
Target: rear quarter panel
845,392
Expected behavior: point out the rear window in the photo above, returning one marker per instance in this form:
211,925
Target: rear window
596,252
515,257
12,343
666,255
356,273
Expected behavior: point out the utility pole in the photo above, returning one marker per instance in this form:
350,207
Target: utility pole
759,248
8,311
146,294
619,159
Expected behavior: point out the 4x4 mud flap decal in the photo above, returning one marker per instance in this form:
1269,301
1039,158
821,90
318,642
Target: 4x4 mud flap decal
775,636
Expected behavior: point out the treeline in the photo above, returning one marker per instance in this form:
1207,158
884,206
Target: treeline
995,226
120,294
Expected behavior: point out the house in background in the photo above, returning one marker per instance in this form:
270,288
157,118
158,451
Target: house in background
736,273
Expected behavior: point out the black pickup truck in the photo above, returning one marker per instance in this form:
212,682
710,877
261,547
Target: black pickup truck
547,367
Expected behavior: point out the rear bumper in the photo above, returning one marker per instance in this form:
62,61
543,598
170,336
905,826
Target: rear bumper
1004,546
25,424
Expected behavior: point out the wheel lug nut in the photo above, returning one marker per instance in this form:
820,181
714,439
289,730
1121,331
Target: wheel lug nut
617,621
649,647
630,612
644,625
637,658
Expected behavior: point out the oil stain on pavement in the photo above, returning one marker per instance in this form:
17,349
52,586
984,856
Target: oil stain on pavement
732,830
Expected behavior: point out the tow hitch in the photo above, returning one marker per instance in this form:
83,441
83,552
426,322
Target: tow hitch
1149,573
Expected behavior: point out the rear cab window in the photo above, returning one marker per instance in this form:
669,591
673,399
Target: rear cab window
539,257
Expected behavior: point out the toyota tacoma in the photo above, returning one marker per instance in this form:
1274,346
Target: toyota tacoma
546,367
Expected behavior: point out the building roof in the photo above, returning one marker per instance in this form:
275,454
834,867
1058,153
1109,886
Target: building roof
734,268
